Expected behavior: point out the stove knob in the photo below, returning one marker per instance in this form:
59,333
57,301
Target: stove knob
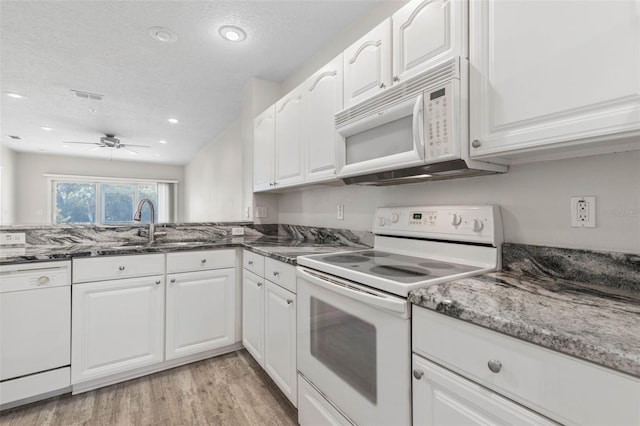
477,225
456,219
382,221
395,217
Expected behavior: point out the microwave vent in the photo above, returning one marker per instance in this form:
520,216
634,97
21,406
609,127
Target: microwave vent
399,93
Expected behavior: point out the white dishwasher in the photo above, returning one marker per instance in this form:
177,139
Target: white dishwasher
35,331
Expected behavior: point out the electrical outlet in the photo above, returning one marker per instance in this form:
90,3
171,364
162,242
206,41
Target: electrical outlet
12,238
237,231
340,212
583,212
261,212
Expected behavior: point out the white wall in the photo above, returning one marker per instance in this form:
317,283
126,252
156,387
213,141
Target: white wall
31,185
534,199
214,181
8,169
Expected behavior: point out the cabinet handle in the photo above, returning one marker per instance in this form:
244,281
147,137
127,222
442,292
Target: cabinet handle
276,274
250,262
259,284
158,282
121,267
44,280
494,365
418,374
270,183
382,85
476,143
173,280
396,78
203,261
289,301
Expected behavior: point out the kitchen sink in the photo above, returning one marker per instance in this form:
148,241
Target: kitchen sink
159,245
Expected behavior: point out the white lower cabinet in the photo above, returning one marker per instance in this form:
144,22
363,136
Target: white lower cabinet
280,338
117,325
200,313
269,320
444,398
485,377
253,315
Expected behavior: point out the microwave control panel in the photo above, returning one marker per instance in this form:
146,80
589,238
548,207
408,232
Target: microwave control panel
438,122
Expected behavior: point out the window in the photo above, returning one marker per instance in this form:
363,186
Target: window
104,201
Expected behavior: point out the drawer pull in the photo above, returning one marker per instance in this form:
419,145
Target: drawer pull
203,261
173,280
289,301
44,280
158,282
121,267
276,274
418,374
250,262
494,365
259,284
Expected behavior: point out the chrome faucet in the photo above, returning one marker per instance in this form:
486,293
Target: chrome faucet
152,223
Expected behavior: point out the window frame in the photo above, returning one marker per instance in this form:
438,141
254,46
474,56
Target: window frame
52,179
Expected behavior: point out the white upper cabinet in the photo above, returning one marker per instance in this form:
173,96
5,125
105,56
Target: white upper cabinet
553,76
324,98
264,138
290,139
426,33
367,65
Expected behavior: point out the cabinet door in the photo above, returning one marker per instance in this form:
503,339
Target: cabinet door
290,139
200,311
324,99
444,398
264,137
548,76
367,65
117,326
427,33
253,315
280,339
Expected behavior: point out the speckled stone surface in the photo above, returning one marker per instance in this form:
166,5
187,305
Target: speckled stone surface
282,242
598,321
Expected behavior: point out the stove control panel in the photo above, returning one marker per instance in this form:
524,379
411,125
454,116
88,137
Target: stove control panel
481,224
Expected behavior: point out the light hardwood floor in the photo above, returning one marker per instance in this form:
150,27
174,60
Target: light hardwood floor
227,390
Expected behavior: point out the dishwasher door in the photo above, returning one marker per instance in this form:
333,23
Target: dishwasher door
35,318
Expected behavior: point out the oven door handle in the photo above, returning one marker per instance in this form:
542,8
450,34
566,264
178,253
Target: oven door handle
389,303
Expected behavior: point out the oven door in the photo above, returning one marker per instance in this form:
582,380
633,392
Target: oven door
388,139
354,347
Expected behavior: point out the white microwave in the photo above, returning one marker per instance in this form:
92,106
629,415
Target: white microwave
417,130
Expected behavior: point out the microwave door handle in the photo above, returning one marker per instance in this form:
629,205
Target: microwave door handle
418,126
336,285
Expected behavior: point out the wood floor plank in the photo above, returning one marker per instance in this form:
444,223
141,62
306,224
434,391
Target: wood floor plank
228,390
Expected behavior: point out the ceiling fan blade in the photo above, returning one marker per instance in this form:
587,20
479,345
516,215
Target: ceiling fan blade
86,143
97,147
139,146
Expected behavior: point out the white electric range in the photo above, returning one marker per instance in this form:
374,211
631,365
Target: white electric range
354,347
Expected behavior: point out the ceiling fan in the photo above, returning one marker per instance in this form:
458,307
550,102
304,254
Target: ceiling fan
110,141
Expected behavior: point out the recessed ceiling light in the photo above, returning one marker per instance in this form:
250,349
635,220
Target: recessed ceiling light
132,152
48,129
231,33
162,34
162,141
157,155
173,120
14,95
66,146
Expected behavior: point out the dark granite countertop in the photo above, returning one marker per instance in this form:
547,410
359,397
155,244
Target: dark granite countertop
284,249
598,322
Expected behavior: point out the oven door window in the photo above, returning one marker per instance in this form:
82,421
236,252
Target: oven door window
346,345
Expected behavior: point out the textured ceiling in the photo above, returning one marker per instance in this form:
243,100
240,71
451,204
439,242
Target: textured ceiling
50,47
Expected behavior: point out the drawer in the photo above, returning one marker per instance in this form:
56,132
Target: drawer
564,388
190,261
116,267
314,409
253,262
280,273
